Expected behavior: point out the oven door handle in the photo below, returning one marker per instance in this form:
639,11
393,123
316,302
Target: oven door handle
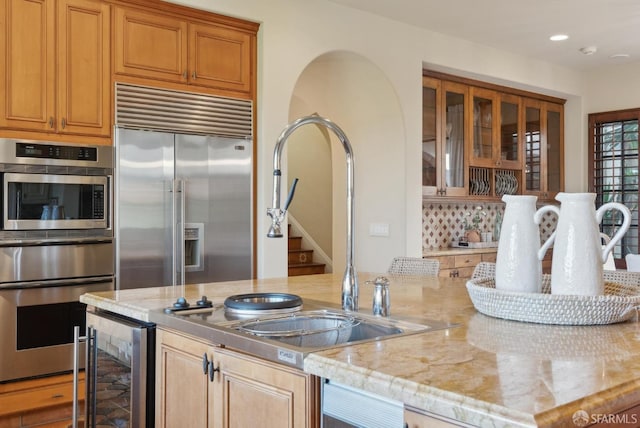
53,241
56,282
76,369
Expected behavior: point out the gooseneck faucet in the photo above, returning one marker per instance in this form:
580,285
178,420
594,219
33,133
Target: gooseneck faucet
350,279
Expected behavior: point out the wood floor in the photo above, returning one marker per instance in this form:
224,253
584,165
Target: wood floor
43,403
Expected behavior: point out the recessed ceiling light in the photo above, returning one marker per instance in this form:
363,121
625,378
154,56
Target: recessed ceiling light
558,37
619,56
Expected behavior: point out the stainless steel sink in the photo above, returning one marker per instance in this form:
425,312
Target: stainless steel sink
288,338
325,328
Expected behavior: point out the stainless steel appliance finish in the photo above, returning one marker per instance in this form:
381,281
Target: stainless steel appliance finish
184,208
56,243
222,327
51,194
54,190
120,370
36,325
37,264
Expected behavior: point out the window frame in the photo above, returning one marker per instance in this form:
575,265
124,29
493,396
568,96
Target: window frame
594,121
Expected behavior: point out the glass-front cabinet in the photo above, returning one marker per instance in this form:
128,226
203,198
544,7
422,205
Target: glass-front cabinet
485,142
544,154
483,129
444,137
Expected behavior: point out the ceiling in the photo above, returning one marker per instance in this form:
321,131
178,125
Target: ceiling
524,26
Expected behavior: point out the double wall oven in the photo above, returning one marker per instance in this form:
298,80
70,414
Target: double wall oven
56,243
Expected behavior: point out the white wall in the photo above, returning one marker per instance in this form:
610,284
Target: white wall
613,88
295,32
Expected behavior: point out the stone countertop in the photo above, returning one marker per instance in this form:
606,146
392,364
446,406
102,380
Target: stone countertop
485,372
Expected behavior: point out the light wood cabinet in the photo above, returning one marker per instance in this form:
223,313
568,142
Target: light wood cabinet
184,392
277,396
149,45
462,264
55,67
206,386
174,49
482,140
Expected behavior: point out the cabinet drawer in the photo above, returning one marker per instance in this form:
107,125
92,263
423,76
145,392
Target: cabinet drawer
446,262
467,260
489,257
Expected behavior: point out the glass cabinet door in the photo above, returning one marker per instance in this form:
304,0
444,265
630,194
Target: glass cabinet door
455,136
483,127
554,149
510,132
430,130
544,160
533,146
443,138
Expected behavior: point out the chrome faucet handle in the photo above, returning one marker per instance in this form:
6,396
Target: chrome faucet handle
277,216
381,297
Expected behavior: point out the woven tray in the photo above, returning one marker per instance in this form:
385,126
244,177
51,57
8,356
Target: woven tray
619,303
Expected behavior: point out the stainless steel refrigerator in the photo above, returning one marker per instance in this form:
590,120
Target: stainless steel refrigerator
183,206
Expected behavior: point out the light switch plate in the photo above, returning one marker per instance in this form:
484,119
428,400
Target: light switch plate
378,229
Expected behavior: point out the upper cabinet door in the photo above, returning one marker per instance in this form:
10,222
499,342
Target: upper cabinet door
484,135
443,138
510,127
27,68
84,73
220,57
554,149
150,45
534,147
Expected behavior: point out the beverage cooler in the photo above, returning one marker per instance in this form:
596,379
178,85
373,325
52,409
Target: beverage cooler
120,368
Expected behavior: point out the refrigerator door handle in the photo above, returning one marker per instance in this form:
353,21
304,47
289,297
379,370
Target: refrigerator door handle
174,239
183,197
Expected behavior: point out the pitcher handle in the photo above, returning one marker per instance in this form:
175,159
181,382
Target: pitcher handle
626,213
537,218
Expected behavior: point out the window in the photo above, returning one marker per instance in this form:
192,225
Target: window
613,171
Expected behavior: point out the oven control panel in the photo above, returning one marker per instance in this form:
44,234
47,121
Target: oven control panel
49,151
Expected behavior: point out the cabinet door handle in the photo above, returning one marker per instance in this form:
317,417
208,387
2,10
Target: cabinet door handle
64,123
51,122
212,371
193,75
184,74
205,363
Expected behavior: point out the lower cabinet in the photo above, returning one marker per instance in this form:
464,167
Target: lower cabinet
207,386
462,264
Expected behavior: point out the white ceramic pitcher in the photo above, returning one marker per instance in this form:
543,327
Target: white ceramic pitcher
578,256
518,267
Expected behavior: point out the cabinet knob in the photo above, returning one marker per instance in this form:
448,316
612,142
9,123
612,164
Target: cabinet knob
51,122
193,75
64,123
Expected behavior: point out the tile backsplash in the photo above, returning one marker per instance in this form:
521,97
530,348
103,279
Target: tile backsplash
443,222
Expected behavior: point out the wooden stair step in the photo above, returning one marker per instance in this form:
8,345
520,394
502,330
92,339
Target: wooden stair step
295,242
300,256
306,269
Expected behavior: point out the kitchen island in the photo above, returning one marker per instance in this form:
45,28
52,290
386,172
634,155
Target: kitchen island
481,372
